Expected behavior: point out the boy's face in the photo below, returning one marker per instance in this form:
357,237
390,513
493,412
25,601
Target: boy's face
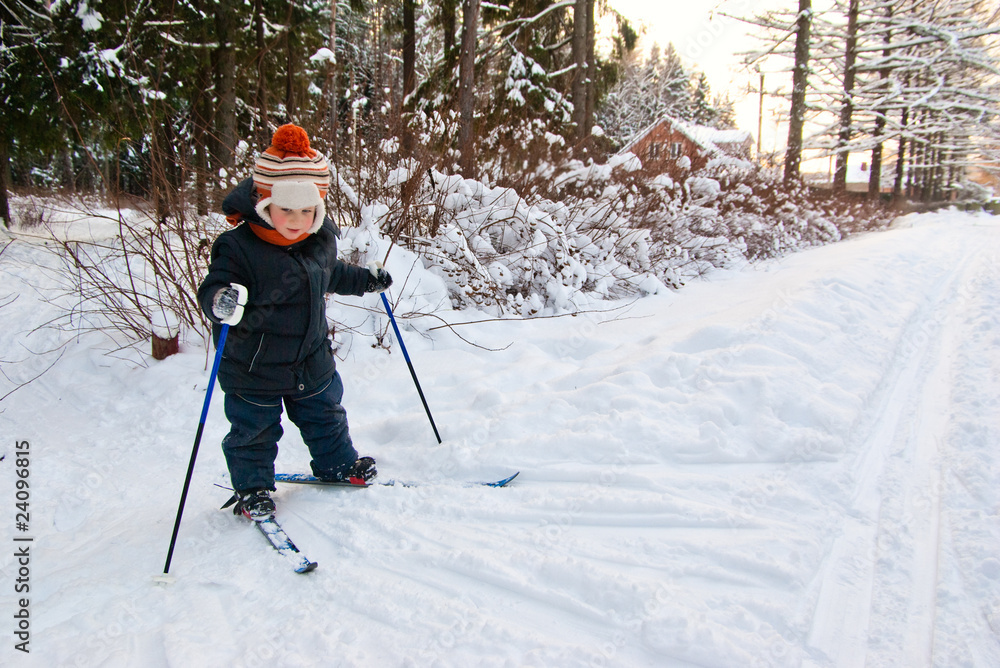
291,223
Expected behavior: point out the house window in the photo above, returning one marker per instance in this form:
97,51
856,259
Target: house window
676,150
654,151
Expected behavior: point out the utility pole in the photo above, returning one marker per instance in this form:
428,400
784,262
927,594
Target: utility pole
760,113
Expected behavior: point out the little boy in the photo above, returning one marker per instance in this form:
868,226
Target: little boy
267,280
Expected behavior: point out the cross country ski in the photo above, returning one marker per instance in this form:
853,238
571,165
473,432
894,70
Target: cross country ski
306,479
279,540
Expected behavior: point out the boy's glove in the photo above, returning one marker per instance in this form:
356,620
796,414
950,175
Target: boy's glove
380,280
228,303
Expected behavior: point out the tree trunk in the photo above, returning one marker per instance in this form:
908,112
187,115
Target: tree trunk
800,81
201,124
897,186
847,107
200,153
289,68
915,175
939,156
67,176
448,8
165,179
332,94
579,85
591,69
224,66
4,181
355,129
409,51
875,177
409,71
260,96
466,86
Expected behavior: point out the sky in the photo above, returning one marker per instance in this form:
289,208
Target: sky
709,42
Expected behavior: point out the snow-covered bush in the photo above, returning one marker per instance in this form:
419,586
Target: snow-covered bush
567,231
771,218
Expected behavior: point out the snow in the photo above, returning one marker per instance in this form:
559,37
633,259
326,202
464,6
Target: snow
324,55
164,324
90,20
789,464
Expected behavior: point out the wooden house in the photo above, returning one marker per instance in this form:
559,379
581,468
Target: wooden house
670,140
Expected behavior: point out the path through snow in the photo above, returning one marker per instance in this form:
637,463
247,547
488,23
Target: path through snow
790,465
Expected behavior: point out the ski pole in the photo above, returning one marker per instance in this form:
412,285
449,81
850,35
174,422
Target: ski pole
197,442
374,267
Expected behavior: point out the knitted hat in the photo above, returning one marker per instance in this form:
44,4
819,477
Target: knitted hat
291,175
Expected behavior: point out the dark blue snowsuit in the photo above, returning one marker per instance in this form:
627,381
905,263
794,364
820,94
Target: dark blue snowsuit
280,352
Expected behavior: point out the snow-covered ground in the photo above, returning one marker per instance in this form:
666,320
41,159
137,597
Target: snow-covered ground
794,464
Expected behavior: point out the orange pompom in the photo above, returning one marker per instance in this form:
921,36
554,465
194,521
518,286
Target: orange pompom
290,139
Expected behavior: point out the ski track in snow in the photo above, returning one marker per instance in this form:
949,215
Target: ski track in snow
790,465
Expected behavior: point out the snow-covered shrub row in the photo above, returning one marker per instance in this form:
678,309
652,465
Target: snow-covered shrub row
559,237
588,231
770,218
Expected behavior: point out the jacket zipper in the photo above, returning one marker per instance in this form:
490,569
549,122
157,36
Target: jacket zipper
259,346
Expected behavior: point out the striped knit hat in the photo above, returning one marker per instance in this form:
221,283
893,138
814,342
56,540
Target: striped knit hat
291,175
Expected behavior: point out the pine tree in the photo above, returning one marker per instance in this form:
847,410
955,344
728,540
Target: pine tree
702,111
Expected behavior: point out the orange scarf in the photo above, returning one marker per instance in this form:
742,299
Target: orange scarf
268,234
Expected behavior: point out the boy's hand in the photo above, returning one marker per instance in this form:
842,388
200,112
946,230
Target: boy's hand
228,303
380,280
